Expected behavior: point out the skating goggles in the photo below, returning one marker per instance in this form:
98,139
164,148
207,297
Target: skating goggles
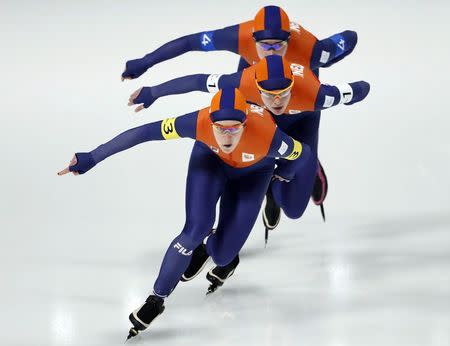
272,46
232,130
272,93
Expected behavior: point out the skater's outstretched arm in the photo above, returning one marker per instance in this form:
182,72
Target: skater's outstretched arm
348,94
333,49
222,39
172,128
146,96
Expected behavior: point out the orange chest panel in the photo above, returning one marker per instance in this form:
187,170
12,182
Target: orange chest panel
301,45
305,90
246,46
299,50
254,144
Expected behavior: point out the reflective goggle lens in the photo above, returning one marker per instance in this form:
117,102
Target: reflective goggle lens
232,130
272,46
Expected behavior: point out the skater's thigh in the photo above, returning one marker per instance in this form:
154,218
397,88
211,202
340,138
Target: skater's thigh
205,184
293,197
306,130
239,209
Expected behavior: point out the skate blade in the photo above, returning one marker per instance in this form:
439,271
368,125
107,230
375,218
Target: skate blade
134,331
211,289
322,211
131,334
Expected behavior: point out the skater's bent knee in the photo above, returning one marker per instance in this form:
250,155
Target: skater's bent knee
187,241
294,213
222,258
197,232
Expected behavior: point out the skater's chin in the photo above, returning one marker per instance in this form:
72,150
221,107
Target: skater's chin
277,110
227,148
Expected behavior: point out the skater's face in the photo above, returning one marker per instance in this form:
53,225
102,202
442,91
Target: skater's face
276,100
271,47
228,133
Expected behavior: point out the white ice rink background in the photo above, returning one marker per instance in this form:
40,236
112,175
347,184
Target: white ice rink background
79,253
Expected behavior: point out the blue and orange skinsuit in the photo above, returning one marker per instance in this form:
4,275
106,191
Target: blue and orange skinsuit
303,49
307,95
240,179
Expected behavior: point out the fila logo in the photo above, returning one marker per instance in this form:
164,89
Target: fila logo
294,111
216,150
297,70
257,109
341,44
294,26
247,157
182,250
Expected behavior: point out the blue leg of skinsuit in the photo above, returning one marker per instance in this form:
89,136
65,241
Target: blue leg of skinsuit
205,184
293,197
239,209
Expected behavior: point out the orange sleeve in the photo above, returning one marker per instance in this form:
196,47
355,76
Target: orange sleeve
203,133
248,85
247,46
304,93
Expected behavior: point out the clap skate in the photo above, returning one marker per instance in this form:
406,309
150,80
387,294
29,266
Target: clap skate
320,189
198,261
271,214
142,318
218,275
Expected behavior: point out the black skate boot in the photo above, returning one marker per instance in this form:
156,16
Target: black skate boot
271,214
320,189
218,275
142,317
198,261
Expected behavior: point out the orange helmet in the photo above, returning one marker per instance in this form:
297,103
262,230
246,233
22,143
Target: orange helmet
228,104
273,73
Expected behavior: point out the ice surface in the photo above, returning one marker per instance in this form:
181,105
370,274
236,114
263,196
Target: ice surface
79,254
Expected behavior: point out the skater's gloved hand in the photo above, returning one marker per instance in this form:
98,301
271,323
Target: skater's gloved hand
135,68
80,164
360,91
142,97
